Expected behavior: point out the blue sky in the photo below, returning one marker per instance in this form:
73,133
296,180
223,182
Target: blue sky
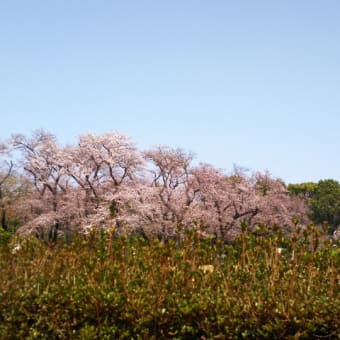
255,83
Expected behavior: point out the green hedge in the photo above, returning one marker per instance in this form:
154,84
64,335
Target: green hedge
106,287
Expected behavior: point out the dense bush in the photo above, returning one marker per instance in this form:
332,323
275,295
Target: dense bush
108,287
5,236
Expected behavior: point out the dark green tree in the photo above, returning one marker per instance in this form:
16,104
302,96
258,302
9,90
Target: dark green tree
306,189
325,203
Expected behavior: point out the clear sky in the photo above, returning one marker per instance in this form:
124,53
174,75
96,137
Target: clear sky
255,83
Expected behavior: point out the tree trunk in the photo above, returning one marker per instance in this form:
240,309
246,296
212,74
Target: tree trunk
3,219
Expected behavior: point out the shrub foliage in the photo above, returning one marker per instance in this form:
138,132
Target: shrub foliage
115,287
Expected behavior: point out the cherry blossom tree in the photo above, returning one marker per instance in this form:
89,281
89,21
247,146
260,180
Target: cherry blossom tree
225,201
277,206
172,181
100,165
43,163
